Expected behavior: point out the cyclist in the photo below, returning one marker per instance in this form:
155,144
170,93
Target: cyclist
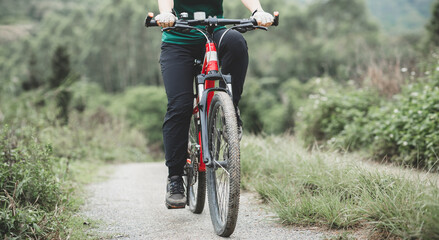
178,52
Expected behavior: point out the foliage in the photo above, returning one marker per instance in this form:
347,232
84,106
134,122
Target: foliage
29,187
88,96
60,67
97,136
315,42
108,44
33,81
337,116
295,96
144,108
61,71
406,131
37,178
433,26
339,192
119,51
261,109
13,11
403,131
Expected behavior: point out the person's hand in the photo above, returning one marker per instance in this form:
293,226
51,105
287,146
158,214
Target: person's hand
165,19
263,18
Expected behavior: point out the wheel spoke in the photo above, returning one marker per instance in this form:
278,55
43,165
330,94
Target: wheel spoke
195,181
223,176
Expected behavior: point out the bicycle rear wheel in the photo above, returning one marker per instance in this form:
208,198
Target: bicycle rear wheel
195,181
223,179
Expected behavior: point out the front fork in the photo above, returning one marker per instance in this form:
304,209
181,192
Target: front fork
205,90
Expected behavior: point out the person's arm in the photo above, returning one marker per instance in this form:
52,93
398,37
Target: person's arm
165,18
252,5
166,6
263,18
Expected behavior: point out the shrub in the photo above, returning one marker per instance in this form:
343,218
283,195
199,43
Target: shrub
407,130
87,95
338,118
28,184
404,130
262,110
144,108
295,95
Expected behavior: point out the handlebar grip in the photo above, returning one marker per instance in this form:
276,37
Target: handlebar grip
149,22
276,18
255,23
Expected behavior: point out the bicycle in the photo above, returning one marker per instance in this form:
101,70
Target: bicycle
213,134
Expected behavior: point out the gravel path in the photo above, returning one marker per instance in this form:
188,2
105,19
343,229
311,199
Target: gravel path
130,205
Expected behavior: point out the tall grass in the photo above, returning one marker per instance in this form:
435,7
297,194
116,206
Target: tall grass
315,188
43,164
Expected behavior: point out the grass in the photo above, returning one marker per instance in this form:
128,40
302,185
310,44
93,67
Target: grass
335,191
74,225
71,156
88,144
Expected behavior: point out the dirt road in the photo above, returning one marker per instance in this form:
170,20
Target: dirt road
130,205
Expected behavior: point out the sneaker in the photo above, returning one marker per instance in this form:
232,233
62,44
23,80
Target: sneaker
175,197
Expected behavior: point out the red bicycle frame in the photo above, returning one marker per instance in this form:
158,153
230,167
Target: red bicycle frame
210,63
205,82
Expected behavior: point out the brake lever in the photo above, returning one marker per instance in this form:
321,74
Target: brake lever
178,28
261,27
167,29
241,29
249,27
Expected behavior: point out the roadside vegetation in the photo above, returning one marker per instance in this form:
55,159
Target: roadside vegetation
337,191
80,88
402,129
45,162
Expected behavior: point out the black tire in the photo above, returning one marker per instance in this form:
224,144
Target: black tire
223,179
195,181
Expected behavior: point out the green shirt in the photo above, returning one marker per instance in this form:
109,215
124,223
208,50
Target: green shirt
210,7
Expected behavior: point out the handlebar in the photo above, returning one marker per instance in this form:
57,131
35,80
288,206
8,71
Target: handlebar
211,21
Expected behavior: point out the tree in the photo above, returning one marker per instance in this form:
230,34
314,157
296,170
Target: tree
433,26
60,67
61,72
120,52
33,80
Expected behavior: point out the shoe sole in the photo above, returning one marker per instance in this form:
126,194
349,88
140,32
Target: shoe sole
169,206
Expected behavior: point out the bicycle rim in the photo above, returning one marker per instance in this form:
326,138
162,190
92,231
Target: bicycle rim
223,178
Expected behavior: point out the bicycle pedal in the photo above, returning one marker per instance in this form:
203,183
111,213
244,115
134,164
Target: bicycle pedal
175,207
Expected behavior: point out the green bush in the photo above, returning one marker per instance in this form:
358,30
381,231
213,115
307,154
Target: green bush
295,95
29,187
404,130
271,107
145,109
407,130
37,179
87,95
338,117
261,107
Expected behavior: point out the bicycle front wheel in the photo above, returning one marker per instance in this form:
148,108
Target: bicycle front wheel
223,178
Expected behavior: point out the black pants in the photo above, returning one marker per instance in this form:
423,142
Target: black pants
178,74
